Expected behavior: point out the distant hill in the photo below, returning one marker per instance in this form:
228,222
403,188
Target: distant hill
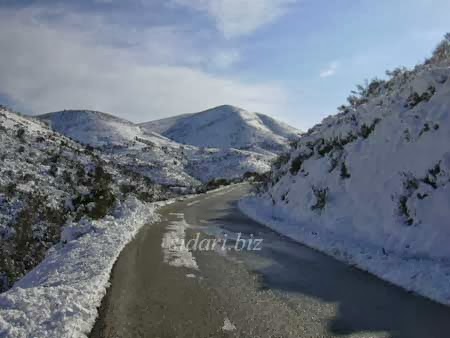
92,127
227,127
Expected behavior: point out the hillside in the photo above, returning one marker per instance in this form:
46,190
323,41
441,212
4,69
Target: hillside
144,151
371,185
48,181
227,127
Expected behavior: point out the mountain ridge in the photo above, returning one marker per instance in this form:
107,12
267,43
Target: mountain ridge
227,126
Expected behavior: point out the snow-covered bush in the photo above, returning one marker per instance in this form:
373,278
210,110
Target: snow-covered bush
442,52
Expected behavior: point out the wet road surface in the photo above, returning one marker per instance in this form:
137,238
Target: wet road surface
283,290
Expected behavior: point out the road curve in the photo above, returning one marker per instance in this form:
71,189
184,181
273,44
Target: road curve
283,290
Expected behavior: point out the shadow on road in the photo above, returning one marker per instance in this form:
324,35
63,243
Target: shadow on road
364,302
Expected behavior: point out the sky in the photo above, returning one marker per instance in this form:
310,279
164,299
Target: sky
295,60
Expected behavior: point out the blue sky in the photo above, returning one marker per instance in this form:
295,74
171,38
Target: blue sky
296,60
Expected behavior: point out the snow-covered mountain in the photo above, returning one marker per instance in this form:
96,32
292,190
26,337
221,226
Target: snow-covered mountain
153,155
227,127
371,185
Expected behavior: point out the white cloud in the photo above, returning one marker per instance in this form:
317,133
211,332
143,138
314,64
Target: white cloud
239,17
330,70
224,59
47,67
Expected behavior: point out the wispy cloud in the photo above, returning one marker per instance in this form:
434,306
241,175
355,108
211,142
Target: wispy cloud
82,63
330,70
239,17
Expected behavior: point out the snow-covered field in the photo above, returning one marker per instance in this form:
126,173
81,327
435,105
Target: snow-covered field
60,297
371,185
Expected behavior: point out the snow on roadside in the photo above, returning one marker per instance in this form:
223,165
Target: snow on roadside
173,245
60,297
427,277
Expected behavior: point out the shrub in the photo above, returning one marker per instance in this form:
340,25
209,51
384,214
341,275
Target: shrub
321,195
10,189
414,99
407,135
21,133
67,177
216,183
344,171
430,181
333,164
431,177
426,128
296,164
366,130
126,189
365,91
22,252
435,170
53,171
404,211
411,184
101,198
325,148
442,51
281,160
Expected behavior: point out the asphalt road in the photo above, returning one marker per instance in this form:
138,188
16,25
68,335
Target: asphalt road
283,290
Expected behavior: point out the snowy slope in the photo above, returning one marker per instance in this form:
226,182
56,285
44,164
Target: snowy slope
162,125
227,127
47,180
92,127
371,185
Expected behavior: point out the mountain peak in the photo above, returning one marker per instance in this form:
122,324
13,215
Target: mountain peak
228,107
226,126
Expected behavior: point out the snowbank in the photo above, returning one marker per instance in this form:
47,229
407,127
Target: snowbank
427,277
60,297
